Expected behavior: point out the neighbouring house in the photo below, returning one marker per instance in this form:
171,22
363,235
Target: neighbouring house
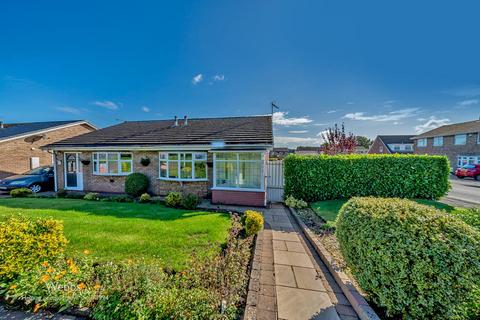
387,144
21,143
460,142
308,150
280,153
221,158
360,150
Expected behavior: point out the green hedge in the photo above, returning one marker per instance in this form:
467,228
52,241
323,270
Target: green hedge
315,178
415,261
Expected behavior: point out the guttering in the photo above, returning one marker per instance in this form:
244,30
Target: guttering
205,147
32,133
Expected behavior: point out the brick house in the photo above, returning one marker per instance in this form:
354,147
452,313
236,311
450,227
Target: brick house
460,142
221,158
21,143
388,144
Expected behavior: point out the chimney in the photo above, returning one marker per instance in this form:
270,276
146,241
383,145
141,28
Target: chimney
185,121
175,124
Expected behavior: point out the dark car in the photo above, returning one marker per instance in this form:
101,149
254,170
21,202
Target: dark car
468,170
38,179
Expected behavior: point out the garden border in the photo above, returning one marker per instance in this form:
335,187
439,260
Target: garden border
358,302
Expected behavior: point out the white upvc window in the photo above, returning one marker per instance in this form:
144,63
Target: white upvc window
463,160
408,147
478,138
438,141
460,139
239,171
112,163
183,166
422,142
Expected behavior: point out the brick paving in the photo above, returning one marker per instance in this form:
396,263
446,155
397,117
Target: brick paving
294,283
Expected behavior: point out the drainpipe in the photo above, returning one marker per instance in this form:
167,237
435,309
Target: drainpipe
54,159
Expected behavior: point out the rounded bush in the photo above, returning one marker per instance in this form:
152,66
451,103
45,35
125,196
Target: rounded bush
145,198
21,193
413,260
136,184
190,201
253,222
92,196
173,199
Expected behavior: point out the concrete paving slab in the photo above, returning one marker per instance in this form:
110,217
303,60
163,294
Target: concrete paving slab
299,304
308,279
292,259
279,245
286,236
284,276
294,246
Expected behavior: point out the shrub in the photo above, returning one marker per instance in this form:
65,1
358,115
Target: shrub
26,243
62,193
136,184
323,177
75,195
253,222
190,201
173,199
144,198
21,193
413,260
469,216
92,196
294,203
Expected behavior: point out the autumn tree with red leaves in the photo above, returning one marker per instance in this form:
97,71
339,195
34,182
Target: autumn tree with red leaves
337,141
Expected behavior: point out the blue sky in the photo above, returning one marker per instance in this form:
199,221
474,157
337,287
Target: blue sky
381,67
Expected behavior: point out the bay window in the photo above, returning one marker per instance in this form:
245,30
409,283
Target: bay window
183,166
112,163
238,170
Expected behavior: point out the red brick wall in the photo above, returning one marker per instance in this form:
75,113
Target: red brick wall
15,154
377,146
245,198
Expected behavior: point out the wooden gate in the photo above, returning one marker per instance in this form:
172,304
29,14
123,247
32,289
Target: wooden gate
275,181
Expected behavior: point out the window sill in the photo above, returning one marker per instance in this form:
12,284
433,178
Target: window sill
112,174
237,189
183,180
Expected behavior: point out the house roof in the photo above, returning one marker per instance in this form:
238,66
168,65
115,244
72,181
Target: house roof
200,131
17,130
397,139
452,129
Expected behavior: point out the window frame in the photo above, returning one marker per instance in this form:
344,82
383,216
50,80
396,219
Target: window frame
119,163
455,139
179,165
478,137
436,144
238,161
422,146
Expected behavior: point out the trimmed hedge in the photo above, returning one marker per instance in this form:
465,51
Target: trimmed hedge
323,177
415,261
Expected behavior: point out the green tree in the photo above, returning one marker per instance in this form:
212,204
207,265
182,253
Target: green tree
364,141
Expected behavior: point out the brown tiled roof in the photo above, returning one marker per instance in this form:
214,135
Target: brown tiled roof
452,129
200,131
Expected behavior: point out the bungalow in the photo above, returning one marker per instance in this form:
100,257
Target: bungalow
392,144
221,158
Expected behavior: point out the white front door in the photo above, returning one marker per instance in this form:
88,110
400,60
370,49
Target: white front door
73,172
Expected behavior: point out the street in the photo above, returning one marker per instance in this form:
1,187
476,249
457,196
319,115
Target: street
464,193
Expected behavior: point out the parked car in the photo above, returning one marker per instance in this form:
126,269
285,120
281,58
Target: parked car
38,179
468,170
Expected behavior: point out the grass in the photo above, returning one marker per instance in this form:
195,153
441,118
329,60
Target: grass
120,231
328,210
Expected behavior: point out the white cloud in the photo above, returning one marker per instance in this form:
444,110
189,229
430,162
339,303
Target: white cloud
280,118
469,102
468,91
320,124
322,133
145,109
391,116
71,110
197,79
107,104
331,111
388,102
284,141
219,77
431,123
297,131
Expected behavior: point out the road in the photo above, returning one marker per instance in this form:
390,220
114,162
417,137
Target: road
464,193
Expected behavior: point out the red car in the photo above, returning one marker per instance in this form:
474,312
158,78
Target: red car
468,170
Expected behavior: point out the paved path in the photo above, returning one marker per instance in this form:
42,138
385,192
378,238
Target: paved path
304,289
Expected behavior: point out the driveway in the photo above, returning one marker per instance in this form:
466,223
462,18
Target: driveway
464,193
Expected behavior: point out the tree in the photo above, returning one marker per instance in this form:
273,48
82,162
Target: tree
364,142
337,141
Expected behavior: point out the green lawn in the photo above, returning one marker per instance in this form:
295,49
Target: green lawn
328,210
119,231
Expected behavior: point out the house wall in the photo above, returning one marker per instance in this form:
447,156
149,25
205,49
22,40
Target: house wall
116,184
16,154
378,147
449,149
245,198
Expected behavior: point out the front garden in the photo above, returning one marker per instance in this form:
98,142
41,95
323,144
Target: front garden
412,259
124,258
